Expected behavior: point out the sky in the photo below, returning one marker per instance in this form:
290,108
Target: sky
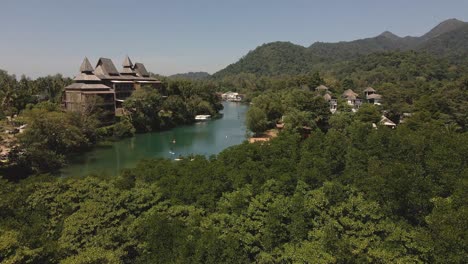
42,37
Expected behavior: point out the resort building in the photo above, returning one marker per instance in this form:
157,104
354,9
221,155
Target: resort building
105,86
332,102
385,121
372,96
352,99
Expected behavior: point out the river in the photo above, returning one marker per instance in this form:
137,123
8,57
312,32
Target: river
203,138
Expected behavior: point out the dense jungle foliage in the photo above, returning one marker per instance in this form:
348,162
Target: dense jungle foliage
352,195
347,193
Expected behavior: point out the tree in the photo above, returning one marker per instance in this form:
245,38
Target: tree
51,135
256,120
368,113
144,106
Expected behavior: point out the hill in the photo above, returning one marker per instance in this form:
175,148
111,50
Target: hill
449,39
452,44
191,76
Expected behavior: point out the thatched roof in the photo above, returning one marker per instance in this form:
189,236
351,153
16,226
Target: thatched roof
87,86
86,77
374,96
327,97
350,94
86,66
321,88
386,122
127,62
141,70
369,89
105,67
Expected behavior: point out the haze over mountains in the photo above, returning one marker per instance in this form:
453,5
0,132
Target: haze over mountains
448,39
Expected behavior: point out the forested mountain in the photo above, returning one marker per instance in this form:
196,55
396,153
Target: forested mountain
452,44
191,76
449,39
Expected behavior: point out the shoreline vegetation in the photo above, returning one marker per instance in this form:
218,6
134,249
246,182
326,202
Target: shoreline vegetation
330,187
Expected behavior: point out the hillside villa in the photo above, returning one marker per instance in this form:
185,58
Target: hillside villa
372,96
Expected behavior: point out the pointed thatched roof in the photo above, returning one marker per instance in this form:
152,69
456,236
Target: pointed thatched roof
350,94
369,89
128,67
105,66
141,70
327,97
321,88
86,66
127,63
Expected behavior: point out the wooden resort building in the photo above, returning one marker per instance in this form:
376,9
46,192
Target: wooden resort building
352,99
372,96
105,86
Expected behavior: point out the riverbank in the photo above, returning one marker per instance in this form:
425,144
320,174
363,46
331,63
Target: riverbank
268,135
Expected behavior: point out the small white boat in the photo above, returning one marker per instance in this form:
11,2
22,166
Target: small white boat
202,117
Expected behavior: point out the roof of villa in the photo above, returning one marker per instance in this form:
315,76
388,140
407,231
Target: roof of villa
374,96
321,88
87,86
127,62
105,69
350,94
86,77
327,97
386,121
369,89
141,70
86,66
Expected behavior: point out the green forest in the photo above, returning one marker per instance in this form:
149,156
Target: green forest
351,195
348,192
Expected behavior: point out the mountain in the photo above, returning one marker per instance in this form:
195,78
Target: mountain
444,27
449,39
452,44
274,58
191,76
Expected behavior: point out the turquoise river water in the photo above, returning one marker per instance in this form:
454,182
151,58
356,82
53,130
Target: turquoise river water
203,138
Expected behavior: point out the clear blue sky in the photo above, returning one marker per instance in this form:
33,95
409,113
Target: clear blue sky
40,37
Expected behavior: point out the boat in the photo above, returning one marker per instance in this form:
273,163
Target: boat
202,117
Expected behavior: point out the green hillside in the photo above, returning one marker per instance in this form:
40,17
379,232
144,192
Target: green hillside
448,39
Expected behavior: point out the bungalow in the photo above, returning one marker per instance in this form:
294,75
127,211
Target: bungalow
372,96
368,91
385,121
352,99
374,99
333,102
